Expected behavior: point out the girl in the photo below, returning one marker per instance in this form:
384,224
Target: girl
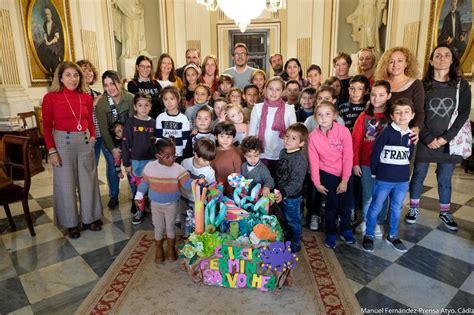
163,179
269,121
236,114
190,76
335,83
235,96
173,123
259,78
325,93
142,82
136,148
330,158
313,74
368,126
166,73
202,94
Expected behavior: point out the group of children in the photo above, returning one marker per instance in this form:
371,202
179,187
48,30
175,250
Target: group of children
288,149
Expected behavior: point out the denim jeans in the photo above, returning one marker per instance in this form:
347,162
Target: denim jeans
382,190
292,212
367,187
337,205
137,170
444,173
97,149
112,179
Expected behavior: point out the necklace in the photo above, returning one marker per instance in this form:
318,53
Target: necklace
79,126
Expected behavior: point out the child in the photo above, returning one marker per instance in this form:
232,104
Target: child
117,131
202,94
307,104
199,165
236,115
330,159
173,123
191,79
335,83
325,93
367,128
225,84
251,96
259,78
219,111
228,158
235,96
359,85
136,146
290,178
269,121
313,75
163,179
292,92
390,163
253,168
203,130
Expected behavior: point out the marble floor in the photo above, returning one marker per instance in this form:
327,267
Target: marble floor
52,274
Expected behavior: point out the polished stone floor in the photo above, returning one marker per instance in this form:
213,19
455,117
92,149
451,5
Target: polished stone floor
52,274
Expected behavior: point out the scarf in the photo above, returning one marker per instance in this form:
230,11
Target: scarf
278,121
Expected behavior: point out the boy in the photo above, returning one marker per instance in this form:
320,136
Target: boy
390,163
359,86
203,126
325,93
307,104
251,96
293,89
199,165
228,158
202,94
219,111
251,148
235,96
225,84
290,177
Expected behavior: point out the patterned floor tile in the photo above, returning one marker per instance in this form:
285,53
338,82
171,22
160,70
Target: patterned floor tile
412,232
355,286
462,303
405,286
22,311
432,204
17,208
90,240
449,244
377,302
358,265
382,249
129,229
55,279
465,213
42,255
46,202
7,270
101,259
470,203
22,239
441,267
456,197
38,217
468,285
12,295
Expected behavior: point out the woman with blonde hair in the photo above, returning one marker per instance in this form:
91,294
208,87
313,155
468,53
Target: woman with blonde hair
69,134
366,63
400,68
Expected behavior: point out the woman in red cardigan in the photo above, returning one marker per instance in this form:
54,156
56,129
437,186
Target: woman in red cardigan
69,134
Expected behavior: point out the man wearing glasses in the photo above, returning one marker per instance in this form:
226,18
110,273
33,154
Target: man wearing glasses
241,72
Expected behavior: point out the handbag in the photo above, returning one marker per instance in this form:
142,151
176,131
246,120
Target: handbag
461,144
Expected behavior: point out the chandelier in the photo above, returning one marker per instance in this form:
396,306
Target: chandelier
243,11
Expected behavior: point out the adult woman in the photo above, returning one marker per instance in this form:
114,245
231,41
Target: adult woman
366,64
69,135
142,82
51,50
166,73
294,71
115,106
341,63
210,73
399,67
441,83
90,76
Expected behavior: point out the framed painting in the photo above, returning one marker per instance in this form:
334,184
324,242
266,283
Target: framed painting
47,26
452,25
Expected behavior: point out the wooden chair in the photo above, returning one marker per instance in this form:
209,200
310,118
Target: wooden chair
32,119
12,192
471,158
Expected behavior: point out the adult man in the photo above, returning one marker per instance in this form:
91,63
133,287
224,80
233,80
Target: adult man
241,72
452,30
276,62
193,55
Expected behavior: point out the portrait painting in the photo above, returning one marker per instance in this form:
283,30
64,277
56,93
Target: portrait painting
46,31
454,26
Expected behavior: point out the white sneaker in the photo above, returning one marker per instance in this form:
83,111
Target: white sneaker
360,229
314,225
378,233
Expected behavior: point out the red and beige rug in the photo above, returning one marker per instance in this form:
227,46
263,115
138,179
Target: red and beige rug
134,284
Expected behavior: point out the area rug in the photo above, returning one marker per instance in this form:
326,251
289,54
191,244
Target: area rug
134,284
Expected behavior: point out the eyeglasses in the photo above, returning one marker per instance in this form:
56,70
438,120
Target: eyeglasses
240,54
167,157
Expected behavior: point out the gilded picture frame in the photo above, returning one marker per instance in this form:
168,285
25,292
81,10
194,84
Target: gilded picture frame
48,39
441,30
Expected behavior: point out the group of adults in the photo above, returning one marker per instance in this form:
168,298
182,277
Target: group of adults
77,126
